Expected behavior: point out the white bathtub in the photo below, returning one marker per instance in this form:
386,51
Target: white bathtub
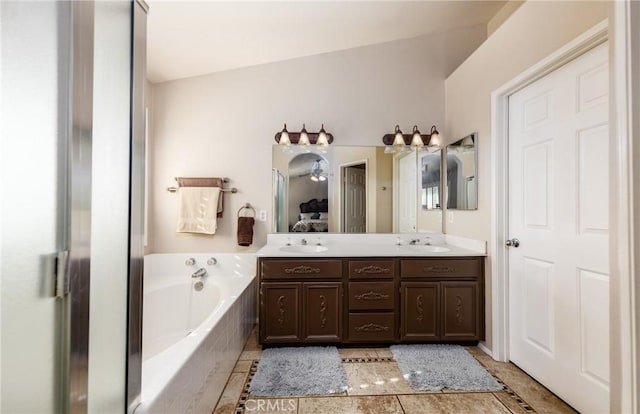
192,339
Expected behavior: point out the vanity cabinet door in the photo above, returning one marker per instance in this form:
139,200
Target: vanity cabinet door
460,311
322,310
420,308
280,315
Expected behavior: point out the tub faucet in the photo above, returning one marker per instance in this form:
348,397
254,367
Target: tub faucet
414,241
202,272
304,242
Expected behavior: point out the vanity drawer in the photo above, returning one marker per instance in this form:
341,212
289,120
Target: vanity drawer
364,269
372,327
468,267
301,269
371,296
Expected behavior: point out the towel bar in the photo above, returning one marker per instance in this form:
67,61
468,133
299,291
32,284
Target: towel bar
224,190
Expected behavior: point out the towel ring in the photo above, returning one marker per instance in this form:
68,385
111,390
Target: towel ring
247,207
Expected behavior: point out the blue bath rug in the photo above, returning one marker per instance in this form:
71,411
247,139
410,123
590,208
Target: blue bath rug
434,367
312,370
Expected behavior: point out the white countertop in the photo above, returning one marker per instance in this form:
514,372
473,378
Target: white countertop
371,245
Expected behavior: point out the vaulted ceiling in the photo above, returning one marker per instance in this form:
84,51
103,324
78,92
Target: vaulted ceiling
190,38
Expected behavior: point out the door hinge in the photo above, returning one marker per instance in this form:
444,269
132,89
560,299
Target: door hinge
62,273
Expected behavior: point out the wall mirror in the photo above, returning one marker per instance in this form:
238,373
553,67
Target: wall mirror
462,171
431,183
349,189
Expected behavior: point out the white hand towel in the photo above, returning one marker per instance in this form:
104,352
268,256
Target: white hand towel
198,209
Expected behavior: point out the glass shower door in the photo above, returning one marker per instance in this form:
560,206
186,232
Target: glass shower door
45,175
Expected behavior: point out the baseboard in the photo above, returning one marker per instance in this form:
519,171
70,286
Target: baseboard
484,349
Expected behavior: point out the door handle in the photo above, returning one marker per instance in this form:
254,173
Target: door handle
512,243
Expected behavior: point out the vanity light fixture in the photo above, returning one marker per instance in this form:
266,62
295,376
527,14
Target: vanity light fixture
398,141
304,138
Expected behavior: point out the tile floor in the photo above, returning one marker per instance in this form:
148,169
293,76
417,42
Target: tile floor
366,366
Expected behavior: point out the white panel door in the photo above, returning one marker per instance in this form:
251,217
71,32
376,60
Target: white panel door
355,203
558,198
407,193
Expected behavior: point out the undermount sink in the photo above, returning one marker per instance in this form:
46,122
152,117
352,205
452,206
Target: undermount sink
426,248
304,249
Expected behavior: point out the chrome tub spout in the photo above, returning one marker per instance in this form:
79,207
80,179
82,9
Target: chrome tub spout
202,272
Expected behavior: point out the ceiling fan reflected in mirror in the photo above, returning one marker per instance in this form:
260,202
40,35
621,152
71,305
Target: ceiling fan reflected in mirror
317,174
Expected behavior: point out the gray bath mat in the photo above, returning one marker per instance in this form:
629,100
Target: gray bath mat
434,367
309,370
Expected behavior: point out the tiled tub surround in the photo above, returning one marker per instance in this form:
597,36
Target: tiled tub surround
369,245
192,339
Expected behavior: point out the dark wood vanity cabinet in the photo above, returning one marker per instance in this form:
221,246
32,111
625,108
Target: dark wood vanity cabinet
361,300
300,301
442,300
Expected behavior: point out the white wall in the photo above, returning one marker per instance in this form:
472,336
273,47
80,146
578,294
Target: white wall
533,31
223,124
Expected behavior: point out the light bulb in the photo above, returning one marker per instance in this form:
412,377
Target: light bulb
304,137
322,137
398,140
416,139
434,137
284,137
467,142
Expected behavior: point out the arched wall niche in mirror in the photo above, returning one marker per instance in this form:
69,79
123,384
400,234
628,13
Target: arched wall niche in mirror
362,188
